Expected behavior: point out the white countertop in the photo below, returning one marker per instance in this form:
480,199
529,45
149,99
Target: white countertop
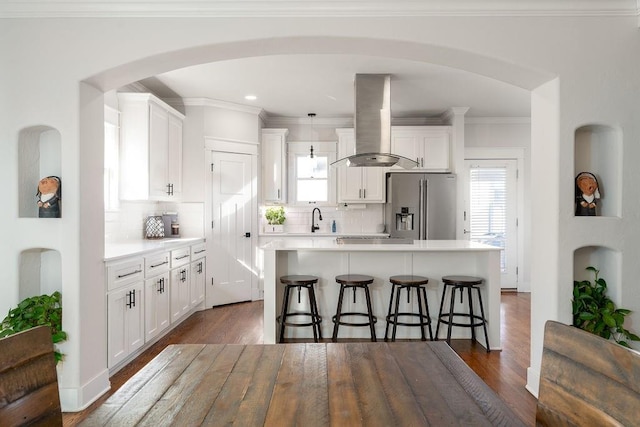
114,251
417,245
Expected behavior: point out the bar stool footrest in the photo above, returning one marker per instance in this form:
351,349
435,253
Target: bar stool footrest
444,318
315,320
333,319
425,320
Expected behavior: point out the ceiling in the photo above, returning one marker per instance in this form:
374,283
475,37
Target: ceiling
295,85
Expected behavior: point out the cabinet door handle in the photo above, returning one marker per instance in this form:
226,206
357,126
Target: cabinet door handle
364,193
129,303
133,298
160,285
168,189
421,162
158,265
278,194
200,267
120,276
200,251
359,193
183,275
181,257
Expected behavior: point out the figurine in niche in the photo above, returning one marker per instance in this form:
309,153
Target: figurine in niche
587,194
49,195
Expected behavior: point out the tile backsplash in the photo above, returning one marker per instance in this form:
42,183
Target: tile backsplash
351,219
128,223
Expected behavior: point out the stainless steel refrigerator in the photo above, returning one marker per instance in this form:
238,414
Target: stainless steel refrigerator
421,206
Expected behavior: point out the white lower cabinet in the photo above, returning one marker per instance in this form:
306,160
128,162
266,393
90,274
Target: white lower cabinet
157,308
180,302
148,295
198,280
125,317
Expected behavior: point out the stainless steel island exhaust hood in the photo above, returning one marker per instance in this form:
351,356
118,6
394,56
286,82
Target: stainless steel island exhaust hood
372,123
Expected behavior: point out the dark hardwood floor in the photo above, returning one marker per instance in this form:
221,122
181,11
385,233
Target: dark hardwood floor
504,371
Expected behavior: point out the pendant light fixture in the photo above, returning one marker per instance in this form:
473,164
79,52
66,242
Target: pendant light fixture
311,116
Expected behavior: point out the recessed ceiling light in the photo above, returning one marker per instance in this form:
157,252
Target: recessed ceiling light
250,97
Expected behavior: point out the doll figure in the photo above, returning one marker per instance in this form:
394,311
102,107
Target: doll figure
586,194
49,194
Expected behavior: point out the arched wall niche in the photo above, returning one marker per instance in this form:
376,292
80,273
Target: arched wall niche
606,260
598,149
40,272
39,155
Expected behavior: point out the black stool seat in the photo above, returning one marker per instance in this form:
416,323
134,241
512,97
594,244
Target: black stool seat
461,283
408,282
299,282
298,279
354,281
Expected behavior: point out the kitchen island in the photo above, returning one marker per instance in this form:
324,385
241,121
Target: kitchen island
326,259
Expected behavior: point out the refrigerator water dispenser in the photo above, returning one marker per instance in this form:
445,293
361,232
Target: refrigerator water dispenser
404,220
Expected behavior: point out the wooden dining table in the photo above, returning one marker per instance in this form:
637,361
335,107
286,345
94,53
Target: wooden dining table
315,384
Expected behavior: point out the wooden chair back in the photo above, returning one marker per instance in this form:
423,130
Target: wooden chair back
28,380
586,380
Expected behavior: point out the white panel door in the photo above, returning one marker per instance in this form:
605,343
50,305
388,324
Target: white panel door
232,218
491,211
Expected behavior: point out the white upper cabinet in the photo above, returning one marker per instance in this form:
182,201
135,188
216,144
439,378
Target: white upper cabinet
430,146
274,165
150,148
358,184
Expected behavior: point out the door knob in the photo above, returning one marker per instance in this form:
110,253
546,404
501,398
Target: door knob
247,234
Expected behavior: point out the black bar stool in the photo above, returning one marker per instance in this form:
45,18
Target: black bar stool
461,283
408,282
300,281
354,281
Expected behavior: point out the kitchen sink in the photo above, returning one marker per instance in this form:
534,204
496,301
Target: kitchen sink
373,240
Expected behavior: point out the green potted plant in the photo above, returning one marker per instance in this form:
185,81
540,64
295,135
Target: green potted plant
275,219
593,311
36,311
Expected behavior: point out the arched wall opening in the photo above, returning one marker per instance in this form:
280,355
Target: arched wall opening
495,68
544,125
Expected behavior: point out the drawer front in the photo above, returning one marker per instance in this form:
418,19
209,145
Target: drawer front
180,257
156,264
124,273
198,251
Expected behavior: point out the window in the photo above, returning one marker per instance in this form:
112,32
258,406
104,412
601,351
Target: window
311,179
111,158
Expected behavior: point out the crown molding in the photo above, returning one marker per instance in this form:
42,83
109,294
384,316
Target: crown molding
312,8
207,102
279,121
497,120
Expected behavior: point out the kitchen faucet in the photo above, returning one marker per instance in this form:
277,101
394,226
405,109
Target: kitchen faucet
314,227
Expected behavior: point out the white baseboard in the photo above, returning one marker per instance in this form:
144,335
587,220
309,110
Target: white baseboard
533,381
74,399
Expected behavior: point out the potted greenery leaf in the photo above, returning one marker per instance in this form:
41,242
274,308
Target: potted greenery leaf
593,311
275,219
36,311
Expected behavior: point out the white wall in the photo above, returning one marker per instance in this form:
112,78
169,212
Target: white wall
593,61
